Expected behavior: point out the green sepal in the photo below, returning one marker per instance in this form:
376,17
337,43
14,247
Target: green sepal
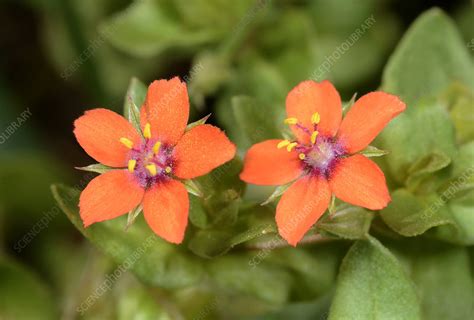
97,167
193,187
198,122
372,151
134,99
132,215
278,192
348,105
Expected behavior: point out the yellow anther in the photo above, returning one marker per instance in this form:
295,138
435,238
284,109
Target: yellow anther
156,147
290,146
315,118
314,135
291,121
283,144
126,142
168,169
302,156
147,131
152,169
131,165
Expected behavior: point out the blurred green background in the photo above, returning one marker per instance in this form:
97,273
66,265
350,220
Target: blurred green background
62,57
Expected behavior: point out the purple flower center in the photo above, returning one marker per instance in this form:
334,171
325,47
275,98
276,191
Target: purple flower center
320,157
151,162
321,153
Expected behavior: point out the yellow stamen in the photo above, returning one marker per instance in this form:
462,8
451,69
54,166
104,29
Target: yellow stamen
302,156
131,165
283,144
168,169
126,142
156,147
152,169
291,121
315,118
147,131
291,146
314,135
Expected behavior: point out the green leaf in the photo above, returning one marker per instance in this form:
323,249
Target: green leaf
206,82
459,194
411,216
222,189
252,72
197,213
303,261
461,102
134,301
442,276
450,208
429,58
253,222
463,118
134,99
462,168
301,310
426,130
372,285
256,122
218,14
149,27
462,232
425,167
372,151
223,178
347,222
153,260
255,70
211,243
97,167
24,296
265,282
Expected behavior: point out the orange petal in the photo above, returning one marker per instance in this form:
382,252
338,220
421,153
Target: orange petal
301,206
166,108
108,196
310,97
367,117
265,164
99,131
166,207
200,150
359,181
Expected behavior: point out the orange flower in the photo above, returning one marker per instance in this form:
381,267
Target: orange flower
148,164
323,158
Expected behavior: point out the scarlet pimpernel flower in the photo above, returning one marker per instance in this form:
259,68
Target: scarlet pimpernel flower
150,162
324,158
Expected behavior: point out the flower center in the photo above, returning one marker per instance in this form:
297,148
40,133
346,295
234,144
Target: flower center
320,155
151,161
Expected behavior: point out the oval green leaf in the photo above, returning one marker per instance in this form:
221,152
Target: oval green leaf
372,285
